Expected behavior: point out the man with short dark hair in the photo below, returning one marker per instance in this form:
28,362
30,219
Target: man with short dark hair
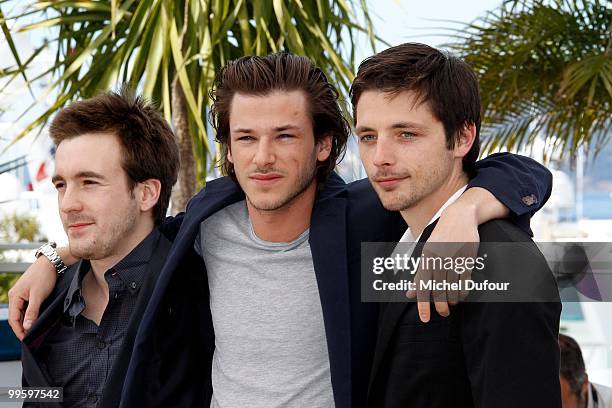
417,113
576,390
273,254
111,200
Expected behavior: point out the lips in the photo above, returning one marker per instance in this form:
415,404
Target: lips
388,182
79,226
265,179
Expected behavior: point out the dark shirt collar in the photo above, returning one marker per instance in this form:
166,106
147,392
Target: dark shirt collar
131,270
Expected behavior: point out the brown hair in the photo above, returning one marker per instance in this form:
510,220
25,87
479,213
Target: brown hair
260,75
572,364
445,82
149,146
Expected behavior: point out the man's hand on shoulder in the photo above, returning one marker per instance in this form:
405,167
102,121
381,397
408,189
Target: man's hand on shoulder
455,236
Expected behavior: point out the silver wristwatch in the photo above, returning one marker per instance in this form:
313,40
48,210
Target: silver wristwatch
48,250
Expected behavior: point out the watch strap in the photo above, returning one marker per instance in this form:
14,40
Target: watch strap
49,252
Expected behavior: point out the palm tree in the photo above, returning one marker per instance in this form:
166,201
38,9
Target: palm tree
171,49
545,68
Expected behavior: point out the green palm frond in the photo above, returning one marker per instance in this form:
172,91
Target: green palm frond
545,68
150,43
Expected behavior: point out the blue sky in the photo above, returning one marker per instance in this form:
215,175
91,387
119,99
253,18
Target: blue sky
398,21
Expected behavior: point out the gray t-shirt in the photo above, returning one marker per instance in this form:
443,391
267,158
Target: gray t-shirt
270,344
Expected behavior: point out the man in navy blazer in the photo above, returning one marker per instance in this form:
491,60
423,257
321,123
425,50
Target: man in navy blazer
281,131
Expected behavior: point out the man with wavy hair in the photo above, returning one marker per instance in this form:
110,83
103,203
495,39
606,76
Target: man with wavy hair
111,203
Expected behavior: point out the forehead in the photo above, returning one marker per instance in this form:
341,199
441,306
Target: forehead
275,109
382,108
99,152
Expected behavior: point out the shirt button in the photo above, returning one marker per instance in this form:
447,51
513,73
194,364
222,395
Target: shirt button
116,295
133,285
93,399
101,344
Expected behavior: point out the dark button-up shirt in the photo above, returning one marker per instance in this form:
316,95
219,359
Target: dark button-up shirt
77,353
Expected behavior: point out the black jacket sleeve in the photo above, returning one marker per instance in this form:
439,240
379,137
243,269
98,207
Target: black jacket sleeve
520,183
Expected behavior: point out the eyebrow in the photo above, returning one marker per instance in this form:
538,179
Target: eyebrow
398,125
286,127
360,129
276,129
404,125
81,174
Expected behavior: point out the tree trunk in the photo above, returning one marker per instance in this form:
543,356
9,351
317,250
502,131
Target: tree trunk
186,185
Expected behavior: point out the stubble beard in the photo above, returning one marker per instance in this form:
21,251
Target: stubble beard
305,179
100,247
421,186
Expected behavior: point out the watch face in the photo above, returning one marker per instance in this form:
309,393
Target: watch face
46,250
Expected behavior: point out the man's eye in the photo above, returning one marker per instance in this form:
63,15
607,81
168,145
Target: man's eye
89,182
59,185
367,138
285,136
245,138
407,135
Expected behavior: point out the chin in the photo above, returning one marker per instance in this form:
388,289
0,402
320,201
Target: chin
81,250
268,204
398,203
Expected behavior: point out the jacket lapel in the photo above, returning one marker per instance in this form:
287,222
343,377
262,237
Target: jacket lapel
218,194
328,246
391,313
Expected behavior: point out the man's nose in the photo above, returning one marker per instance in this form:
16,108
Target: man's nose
384,154
70,200
264,156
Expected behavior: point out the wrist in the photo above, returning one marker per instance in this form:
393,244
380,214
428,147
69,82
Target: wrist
485,205
48,251
463,209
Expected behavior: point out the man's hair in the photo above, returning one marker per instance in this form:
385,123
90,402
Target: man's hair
445,82
149,148
572,365
261,75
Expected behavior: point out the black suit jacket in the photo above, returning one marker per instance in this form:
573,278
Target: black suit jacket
51,311
172,358
484,354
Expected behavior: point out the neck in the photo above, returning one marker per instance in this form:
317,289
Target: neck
125,246
287,223
418,216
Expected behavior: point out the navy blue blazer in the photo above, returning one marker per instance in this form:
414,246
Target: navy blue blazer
171,359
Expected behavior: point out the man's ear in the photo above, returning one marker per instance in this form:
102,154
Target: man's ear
148,194
324,146
229,154
466,138
584,388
